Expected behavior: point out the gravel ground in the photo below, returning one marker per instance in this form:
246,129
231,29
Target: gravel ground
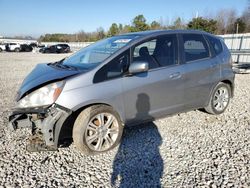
186,150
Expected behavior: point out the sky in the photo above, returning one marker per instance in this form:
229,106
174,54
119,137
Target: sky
37,17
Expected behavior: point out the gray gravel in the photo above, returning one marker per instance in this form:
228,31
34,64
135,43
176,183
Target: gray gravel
185,150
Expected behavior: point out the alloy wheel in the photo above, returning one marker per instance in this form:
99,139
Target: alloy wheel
102,132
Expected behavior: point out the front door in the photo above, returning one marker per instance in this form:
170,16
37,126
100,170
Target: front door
159,91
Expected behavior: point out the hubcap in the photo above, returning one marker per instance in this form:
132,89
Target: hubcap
221,99
102,132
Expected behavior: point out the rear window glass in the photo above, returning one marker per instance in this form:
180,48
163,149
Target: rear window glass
195,47
216,44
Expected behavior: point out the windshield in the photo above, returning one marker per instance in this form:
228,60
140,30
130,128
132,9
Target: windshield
91,56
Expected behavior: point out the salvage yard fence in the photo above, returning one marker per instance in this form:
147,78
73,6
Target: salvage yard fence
239,46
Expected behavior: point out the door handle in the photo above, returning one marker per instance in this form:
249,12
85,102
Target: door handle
175,75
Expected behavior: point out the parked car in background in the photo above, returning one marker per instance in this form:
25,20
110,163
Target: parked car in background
13,47
2,47
58,48
40,45
25,48
120,81
33,45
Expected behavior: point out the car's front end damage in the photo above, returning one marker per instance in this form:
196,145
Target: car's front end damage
36,106
45,124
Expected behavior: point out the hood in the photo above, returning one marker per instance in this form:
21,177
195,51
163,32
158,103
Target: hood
42,74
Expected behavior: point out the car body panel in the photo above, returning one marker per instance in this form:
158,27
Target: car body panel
42,74
141,100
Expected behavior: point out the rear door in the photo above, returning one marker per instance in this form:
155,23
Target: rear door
202,70
159,91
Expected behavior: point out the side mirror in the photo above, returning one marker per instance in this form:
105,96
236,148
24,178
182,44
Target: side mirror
138,67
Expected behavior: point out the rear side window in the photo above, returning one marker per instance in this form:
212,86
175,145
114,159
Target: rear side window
216,44
195,47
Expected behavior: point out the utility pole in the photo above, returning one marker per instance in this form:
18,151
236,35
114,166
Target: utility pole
237,28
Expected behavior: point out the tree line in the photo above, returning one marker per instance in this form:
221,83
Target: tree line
224,21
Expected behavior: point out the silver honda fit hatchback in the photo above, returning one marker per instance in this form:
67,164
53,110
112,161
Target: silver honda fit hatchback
124,80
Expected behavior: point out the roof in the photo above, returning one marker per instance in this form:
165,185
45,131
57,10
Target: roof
152,32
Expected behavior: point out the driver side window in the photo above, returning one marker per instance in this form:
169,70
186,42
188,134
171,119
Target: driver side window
114,69
144,52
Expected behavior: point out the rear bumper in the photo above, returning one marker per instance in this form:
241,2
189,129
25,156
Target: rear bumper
45,125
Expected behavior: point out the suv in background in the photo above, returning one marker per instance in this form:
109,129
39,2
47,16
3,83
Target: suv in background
119,81
2,47
13,47
58,48
26,48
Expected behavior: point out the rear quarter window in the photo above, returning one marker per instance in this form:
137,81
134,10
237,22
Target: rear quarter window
195,47
215,44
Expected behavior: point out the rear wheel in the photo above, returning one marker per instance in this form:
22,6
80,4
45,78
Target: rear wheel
97,129
17,50
219,99
1,50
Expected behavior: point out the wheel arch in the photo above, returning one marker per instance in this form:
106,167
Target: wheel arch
66,131
226,81
230,83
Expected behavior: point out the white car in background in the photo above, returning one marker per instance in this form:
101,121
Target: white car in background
2,47
13,47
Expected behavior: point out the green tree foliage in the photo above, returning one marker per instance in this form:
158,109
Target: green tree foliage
155,25
113,30
139,24
208,25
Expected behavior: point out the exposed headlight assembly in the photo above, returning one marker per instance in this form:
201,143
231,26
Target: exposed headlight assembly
43,96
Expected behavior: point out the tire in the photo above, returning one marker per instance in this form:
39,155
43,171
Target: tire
87,127
17,50
222,94
1,50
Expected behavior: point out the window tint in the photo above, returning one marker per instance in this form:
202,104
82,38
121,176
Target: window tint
150,45
166,50
216,44
161,51
195,47
113,69
144,52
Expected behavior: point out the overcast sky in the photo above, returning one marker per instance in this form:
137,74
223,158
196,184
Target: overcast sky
36,17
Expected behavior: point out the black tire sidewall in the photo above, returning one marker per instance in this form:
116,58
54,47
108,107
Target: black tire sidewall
81,124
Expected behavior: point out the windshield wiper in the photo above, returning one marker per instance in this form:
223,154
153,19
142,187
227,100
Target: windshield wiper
61,65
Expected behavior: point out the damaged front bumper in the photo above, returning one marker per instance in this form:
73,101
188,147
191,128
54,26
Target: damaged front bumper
45,124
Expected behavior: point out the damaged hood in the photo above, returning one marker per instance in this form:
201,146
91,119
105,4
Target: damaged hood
42,74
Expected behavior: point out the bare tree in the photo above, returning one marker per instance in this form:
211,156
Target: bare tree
225,21
246,17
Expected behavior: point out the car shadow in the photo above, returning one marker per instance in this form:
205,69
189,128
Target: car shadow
138,162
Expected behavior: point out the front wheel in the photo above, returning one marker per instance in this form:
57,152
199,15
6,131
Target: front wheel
219,99
97,129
